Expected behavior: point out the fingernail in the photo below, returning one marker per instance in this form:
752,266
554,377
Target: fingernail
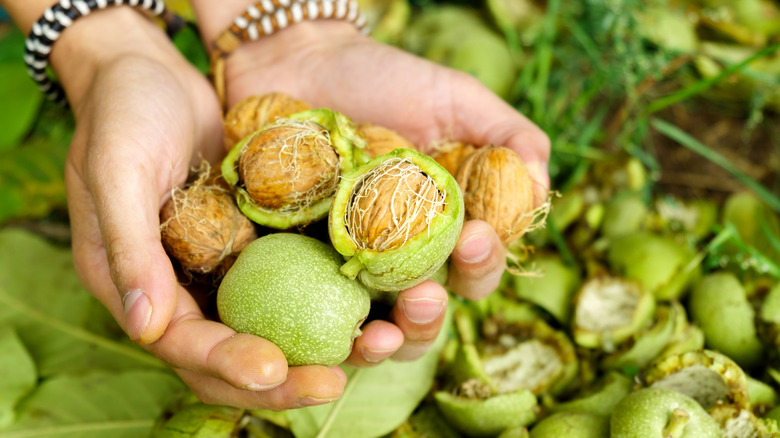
313,401
258,387
138,312
538,172
475,249
422,310
375,356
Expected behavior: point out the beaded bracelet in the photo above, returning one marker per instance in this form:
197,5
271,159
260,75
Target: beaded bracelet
59,17
268,16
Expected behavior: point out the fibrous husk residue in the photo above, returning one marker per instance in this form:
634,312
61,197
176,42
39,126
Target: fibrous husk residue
256,112
381,140
289,166
391,204
201,225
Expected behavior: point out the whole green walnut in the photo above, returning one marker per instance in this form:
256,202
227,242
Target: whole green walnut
287,288
662,413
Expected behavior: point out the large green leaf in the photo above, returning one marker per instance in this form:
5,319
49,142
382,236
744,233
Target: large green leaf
97,404
17,373
32,178
375,401
19,94
41,297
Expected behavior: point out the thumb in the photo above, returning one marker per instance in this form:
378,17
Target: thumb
127,202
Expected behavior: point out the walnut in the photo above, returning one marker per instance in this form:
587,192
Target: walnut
450,154
255,112
289,165
382,140
202,227
498,189
393,203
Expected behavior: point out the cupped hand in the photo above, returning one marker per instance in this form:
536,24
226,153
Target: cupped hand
144,116
329,64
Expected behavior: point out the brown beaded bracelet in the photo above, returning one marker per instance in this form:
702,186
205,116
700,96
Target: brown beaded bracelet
269,16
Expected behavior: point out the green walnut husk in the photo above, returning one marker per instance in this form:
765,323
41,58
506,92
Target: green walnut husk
386,18
200,420
458,38
487,417
623,215
287,288
426,422
601,397
695,217
553,289
285,174
521,16
661,264
572,425
720,306
707,376
516,350
668,28
609,311
757,224
647,344
395,235
659,412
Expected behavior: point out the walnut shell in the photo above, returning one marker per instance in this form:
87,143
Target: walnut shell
498,189
202,227
255,112
450,154
289,166
395,202
382,140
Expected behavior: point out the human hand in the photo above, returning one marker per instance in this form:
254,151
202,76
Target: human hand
144,117
328,64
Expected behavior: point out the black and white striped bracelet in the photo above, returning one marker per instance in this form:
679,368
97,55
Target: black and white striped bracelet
266,17
59,17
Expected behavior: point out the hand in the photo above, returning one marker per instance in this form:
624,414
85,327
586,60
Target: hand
144,117
328,64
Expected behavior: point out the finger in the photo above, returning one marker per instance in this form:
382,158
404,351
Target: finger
210,348
419,313
305,386
478,261
127,203
379,340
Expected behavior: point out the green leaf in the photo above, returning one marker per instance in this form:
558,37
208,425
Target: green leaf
32,179
17,373
40,295
97,404
375,401
21,102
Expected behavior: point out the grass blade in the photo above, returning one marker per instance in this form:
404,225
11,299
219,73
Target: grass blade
704,84
691,143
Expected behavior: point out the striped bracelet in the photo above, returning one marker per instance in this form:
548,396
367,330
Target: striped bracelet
46,31
269,16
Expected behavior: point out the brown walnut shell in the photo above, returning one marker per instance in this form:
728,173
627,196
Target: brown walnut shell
450,154
381,140
202,227
289,166
257,111
498,189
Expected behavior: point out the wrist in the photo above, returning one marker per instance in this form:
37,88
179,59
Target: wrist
100,38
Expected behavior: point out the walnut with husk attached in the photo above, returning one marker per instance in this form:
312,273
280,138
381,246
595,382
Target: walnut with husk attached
202,227
285,175
396,220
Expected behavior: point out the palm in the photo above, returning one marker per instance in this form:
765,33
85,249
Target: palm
380,84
